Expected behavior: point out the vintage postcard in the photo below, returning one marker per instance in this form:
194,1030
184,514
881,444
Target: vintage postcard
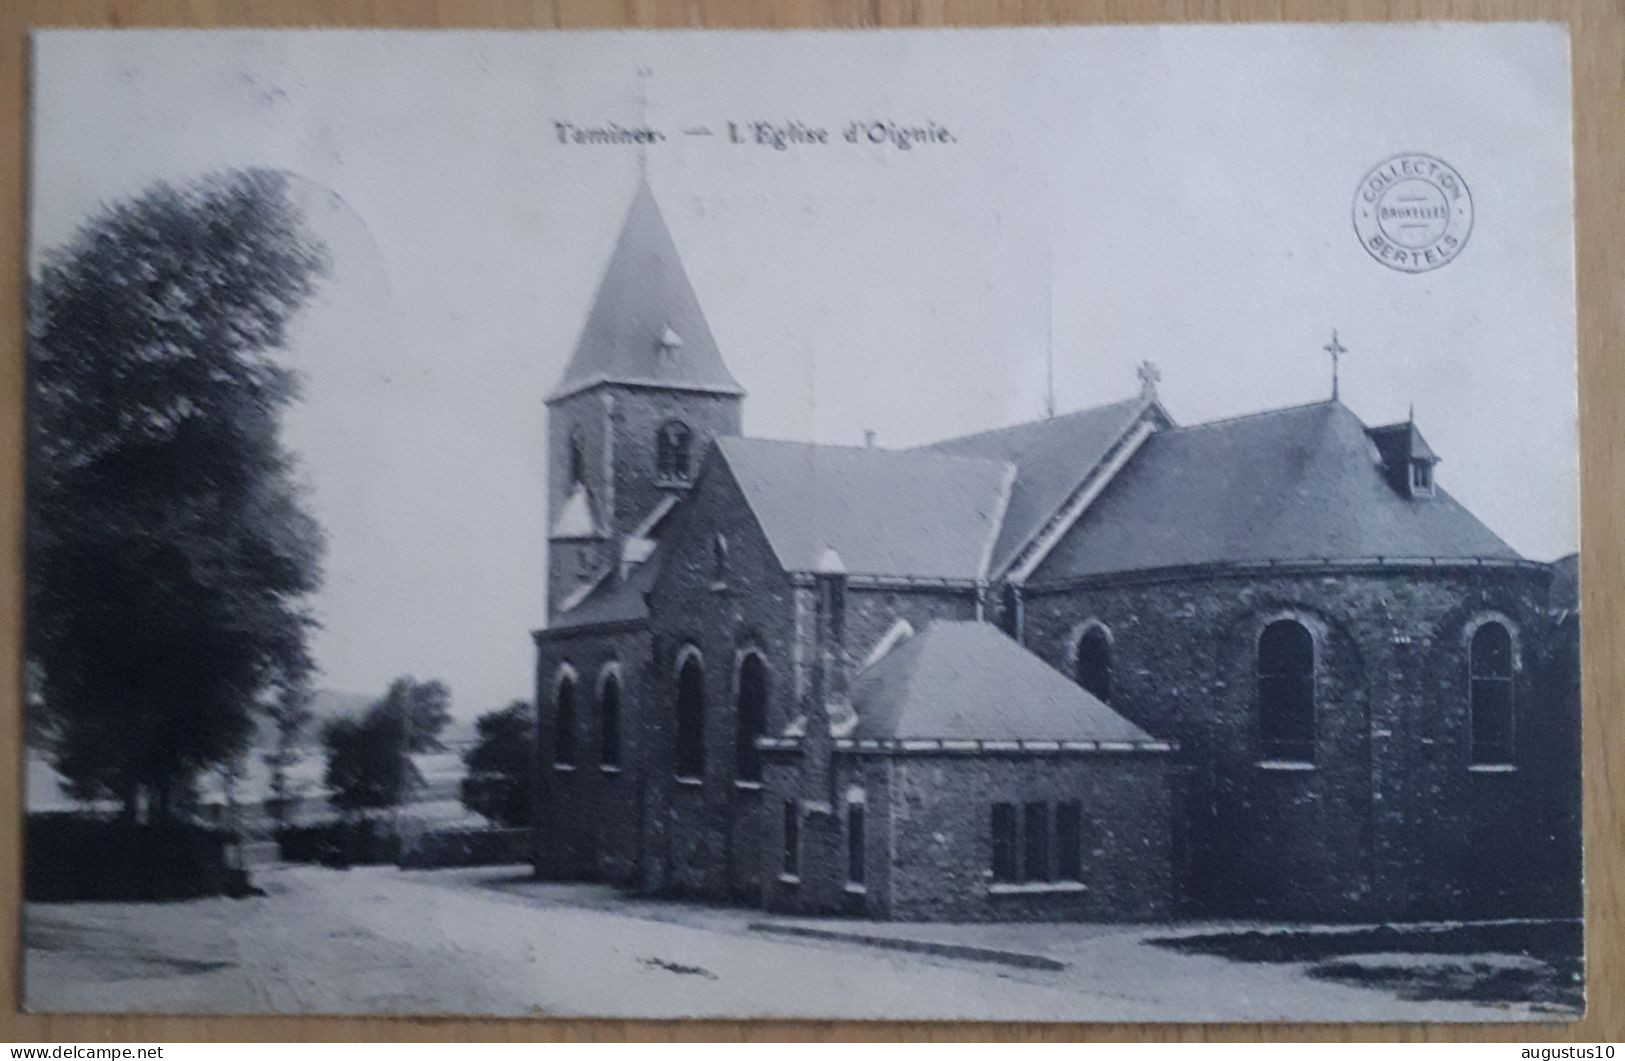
1060,525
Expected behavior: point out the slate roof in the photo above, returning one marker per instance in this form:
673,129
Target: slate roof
1052,458
968,681
889,513
644,304
1302,483
1401,442
614,600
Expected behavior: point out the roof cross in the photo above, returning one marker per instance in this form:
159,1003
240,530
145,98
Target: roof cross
644,72
1337,350
1150,375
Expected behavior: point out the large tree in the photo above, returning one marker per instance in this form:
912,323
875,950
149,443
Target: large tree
169,550
369,757
502,766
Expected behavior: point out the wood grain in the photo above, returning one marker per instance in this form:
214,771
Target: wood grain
1598,39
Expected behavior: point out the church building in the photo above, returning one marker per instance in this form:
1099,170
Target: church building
1099,666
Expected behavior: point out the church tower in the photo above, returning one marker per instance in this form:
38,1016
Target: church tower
643,396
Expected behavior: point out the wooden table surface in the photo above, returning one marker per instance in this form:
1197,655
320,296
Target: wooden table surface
1597,31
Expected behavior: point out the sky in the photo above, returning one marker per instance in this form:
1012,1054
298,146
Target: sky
1109,195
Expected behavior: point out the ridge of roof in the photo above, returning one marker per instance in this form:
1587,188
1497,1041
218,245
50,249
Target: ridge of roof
1100,475
1055,458
996,531
1225,421
1024,425
737,442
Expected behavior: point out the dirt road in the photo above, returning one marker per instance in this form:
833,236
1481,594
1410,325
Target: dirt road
381,940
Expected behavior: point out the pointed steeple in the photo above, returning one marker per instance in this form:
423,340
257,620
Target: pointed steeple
646,327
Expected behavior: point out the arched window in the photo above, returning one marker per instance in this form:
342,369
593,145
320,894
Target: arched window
564,718
1490,671
609,720
1286,692
691,718
672,454
1095,663
750,717
719,558
578,456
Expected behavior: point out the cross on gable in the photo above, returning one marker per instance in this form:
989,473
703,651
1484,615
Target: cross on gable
1150,376
1337,350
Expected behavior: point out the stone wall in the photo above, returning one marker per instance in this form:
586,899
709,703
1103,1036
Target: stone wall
1391,820
712,836
928,832
618,426
872,610
707,841
590,815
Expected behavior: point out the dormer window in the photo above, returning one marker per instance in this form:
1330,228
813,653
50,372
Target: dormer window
1421,478
1405,458
672,452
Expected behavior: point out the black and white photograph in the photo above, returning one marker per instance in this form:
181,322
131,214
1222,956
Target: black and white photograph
970,525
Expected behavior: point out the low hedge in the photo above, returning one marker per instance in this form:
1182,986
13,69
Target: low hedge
72,857
340,843
466,847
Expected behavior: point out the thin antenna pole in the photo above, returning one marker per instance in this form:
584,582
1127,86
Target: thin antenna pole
643,118
1049,323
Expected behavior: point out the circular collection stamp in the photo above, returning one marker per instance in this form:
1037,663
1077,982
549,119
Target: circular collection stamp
1413,213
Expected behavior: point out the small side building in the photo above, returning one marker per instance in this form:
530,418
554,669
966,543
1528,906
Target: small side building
963,779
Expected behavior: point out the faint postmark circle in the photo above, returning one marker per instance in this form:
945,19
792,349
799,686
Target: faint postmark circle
1413,213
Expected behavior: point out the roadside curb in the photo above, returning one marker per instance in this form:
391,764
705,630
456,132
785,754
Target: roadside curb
916,946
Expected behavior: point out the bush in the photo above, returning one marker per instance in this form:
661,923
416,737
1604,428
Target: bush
467,847
75,858
374,842
502,767
357,843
